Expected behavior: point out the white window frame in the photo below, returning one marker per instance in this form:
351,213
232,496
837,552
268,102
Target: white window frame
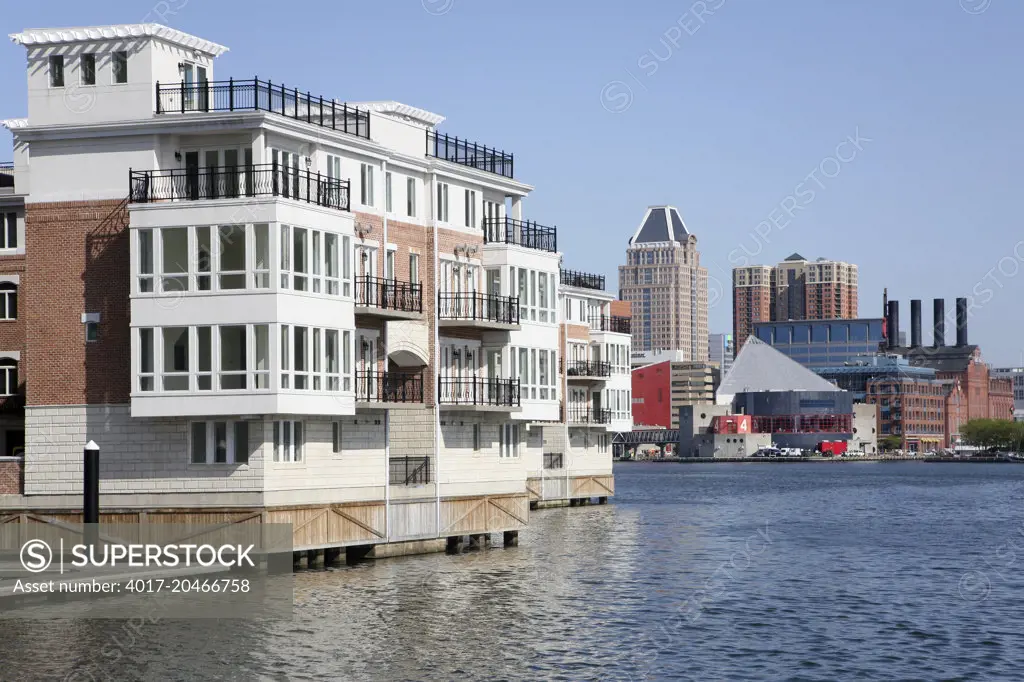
410,197
288,448
9,374
114,57
366,188
388,204
211,445
441,206
51,73
508,440
9,234
8,301
469,210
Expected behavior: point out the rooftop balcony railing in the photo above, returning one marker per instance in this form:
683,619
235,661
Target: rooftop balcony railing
492,391
587,368
583,280
389,387
409,470
256,95
6,174
589,415
232,182
474,306
463,152
520,233
389,294
611,323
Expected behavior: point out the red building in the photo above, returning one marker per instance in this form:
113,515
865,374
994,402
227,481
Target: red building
660,389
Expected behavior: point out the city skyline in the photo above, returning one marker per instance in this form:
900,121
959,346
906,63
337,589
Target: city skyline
729,167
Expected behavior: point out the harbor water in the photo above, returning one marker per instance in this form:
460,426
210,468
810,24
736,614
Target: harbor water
866,570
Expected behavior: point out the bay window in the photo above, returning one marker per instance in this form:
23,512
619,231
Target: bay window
237,355
237,257
536,291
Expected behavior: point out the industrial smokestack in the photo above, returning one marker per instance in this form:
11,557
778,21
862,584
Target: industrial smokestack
915,323
961,321
939,317
893,324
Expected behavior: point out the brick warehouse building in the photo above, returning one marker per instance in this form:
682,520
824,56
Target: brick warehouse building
267,304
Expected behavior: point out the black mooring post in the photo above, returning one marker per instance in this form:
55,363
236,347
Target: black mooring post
91,493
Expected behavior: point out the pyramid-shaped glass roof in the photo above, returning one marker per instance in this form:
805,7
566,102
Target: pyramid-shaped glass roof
759,367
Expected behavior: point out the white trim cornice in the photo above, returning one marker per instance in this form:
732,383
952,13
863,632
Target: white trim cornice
13,123
403,111
63,36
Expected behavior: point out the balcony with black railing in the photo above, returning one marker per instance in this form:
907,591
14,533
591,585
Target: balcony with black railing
588,369
553,460
589,415
474,309
521,233
478,393
6,176
466,153
611,323
399,388
388,298
233,182
409,471
255,95
582,280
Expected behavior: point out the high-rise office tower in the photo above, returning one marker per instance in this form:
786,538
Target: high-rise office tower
666,287
795,289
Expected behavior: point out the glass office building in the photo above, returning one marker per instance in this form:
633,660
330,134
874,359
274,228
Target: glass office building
822,343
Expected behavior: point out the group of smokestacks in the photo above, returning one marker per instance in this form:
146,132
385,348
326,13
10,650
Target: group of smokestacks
892,323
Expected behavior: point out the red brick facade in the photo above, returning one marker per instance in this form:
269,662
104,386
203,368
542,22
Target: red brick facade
12,332
12,476
77,262
750,304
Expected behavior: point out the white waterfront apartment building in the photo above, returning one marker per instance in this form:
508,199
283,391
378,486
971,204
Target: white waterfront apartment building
267,304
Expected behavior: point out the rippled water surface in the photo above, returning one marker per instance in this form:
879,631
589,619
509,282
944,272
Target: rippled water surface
695,572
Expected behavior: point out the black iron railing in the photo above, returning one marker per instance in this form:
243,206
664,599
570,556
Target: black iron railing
521,233
409,470
477,391
231,182
466,153
479,307
389,387
588,415
586,368
611,323
255,95
389,294
583,280
553,460
6,174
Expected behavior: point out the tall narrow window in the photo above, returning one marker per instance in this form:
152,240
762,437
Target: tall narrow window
9,233
204,358
441,210
301,358
332,360
261,256
301,259
286,356
316,261
336,437
231,265
8,301
57,71
346,266
233,364
410,197
175,365
261,359
120,67
288,441
88,65
286,260
387,191
145,359
366,184
389,264
204,257
414,268
174,241
331,269
346,361
470,209
145,243
476,437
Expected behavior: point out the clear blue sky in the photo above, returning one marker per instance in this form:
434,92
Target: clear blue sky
727,116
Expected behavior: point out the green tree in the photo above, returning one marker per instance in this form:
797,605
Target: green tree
890,443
